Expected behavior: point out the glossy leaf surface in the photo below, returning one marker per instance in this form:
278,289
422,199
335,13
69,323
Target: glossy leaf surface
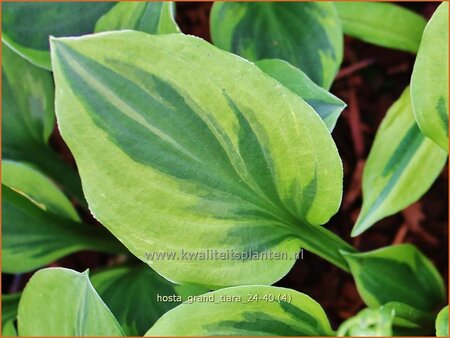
246,311
226,165
62,302
401,167
429,82
306,34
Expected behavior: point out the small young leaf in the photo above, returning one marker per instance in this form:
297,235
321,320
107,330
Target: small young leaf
324,103
401,167
33,237
225,165
28,25
138,296
429,81
442,323
62,302
28,181
246,311
399,273
28,119
149,17
9,314
382,24
308,34
368,322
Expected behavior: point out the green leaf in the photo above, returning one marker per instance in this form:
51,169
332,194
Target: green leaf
442,323
28,119
62,302
409,321
401,167
368,322
429,81
149,17
138,296
399,273
28,181
27,26
324,103
382,24
33,237
246,311
9,314
169,166
308,35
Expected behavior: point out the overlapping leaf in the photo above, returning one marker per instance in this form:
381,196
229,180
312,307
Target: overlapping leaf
246,311
62,302
401,166
368,322
33,236
10,303
306,34
150,17
442,323
138,296
399,273
28,119
382,24
328,106
429,82
171,146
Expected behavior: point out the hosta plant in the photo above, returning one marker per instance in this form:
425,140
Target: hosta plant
210,166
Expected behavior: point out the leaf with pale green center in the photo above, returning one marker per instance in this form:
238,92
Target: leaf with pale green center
442,323
63,302
306,34
429,81
137,295
246,311
399,273
9,314
28,181
169,146
149,17
28,119
368,322
324,103
34,236
401,167
382,24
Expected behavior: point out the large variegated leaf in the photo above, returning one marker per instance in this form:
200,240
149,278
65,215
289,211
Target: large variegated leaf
138,296
442,323
429,82
33,236
28,119
150,17
10,304
306,34
28,181
246,311
328,106
28,25
401,166
399,273
176,155
62,302
382,24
